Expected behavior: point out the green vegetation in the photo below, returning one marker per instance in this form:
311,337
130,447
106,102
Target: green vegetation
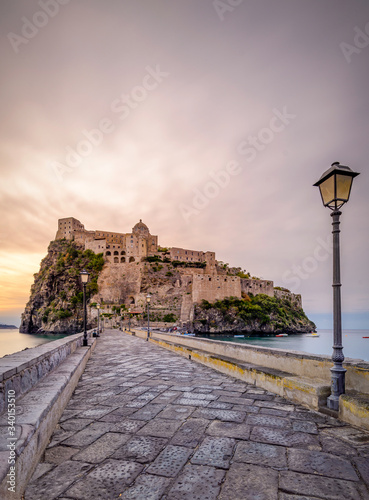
170,318
265,310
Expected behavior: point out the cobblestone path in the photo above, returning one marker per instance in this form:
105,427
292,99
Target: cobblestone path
147,424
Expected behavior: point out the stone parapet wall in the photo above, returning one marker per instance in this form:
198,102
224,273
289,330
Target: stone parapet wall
22,371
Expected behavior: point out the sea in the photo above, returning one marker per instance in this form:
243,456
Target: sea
354,345
12,341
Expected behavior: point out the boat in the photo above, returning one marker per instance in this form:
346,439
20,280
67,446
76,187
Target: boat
282,335
239,336
365,337
315,335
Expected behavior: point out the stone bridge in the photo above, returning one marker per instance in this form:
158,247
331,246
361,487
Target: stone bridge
178,418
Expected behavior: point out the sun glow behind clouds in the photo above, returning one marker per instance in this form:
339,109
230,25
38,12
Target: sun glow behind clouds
17,271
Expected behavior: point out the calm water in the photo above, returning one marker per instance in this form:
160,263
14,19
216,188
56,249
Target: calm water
354,346
12,341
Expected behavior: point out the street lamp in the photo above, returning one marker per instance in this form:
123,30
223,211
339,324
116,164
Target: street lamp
335,186
85,275
148,299
129,319
98,319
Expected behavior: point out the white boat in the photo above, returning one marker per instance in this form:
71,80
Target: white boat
315,335
239,336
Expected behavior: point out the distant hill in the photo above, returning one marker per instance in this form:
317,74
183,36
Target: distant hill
11,327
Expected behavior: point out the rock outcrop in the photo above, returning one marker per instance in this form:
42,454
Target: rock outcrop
176,288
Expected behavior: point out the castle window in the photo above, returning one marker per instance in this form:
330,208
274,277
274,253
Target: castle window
116,260
131,259
108,253
116,253
122,259
209,279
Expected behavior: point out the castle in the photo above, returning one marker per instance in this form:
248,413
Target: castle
201,278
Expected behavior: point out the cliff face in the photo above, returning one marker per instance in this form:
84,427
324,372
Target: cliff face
56,299
253,314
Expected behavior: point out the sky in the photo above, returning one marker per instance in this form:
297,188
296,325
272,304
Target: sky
210,120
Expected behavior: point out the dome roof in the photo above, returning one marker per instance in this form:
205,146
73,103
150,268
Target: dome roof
140,228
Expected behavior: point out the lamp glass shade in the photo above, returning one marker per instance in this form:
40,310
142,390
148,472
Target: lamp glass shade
98,306
343,187
148,298
327,190
84,276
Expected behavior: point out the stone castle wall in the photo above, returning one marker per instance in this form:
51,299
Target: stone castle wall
257,286
212,287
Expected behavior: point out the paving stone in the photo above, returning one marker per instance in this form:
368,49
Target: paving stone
76,424
59,454
190,433
142,449
261,454
54,483
336,446
318,486
175,412
170,461
249,482
215,452
160,428
286,496
269,421
192,402
220,405
304,426
235,400
200,396
229,429
137,403
147,487
273,435
324,464
102,448
245,408
41,469
197,483
111,477
275,406
349,435
128,426
226,415
88,435
148,412
58,436
362,465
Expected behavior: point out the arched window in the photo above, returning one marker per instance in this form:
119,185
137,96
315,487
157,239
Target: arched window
131,300
122,259
116,253
122,252
116,260
108,253
131,259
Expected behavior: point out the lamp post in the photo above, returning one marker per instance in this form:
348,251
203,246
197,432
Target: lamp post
335,186
98,319
148,299
84,278
129,319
